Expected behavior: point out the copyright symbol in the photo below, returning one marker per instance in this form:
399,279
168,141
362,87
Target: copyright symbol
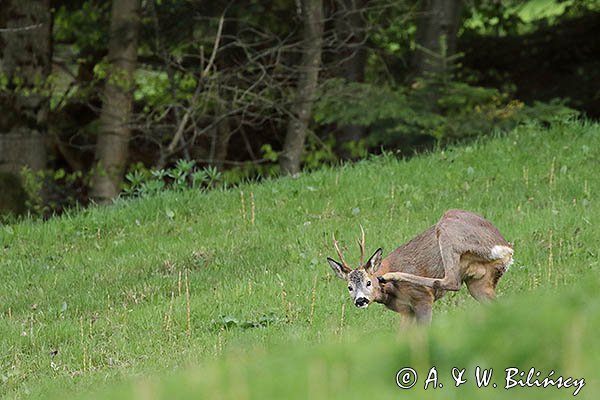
406,378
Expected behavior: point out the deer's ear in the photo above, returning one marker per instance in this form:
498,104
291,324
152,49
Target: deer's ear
340,270
375,261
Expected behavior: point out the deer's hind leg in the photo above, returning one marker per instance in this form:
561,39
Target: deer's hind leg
482,285
450,260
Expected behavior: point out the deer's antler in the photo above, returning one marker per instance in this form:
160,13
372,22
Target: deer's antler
361,244
339,252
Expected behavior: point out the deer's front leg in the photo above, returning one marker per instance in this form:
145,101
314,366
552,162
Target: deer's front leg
407,315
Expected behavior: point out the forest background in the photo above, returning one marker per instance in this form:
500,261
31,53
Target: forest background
101,99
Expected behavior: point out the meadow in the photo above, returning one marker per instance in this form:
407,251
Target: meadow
227,294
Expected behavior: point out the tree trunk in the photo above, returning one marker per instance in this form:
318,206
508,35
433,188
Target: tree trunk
438,18
25,62
220,143
312,12
220,135
114,132
350,29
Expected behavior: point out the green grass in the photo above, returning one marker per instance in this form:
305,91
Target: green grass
95,299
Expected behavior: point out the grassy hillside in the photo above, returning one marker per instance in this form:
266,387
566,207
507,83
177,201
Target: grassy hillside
228,294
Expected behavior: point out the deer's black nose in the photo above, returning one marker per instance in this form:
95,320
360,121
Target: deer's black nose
361,302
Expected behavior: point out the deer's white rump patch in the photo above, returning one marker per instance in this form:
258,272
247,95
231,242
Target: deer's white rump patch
502,253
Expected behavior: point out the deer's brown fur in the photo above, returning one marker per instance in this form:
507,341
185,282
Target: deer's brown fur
461,247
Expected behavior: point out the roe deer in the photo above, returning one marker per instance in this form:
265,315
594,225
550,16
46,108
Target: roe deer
460,247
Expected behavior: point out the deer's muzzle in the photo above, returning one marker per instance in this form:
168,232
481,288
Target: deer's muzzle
361,302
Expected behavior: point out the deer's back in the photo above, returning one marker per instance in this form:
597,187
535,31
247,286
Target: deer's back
420,256
470,233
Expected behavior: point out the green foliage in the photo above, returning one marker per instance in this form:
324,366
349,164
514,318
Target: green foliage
154,89
360,103
32,184
269,153
517,17
438,105
24,84
142,182
358,149
50,192
317,152
386,33
250,171
79,25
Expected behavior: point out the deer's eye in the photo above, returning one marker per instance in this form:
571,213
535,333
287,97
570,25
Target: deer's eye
368,283
350,288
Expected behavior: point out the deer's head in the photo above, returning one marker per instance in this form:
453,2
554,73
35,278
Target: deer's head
363,285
